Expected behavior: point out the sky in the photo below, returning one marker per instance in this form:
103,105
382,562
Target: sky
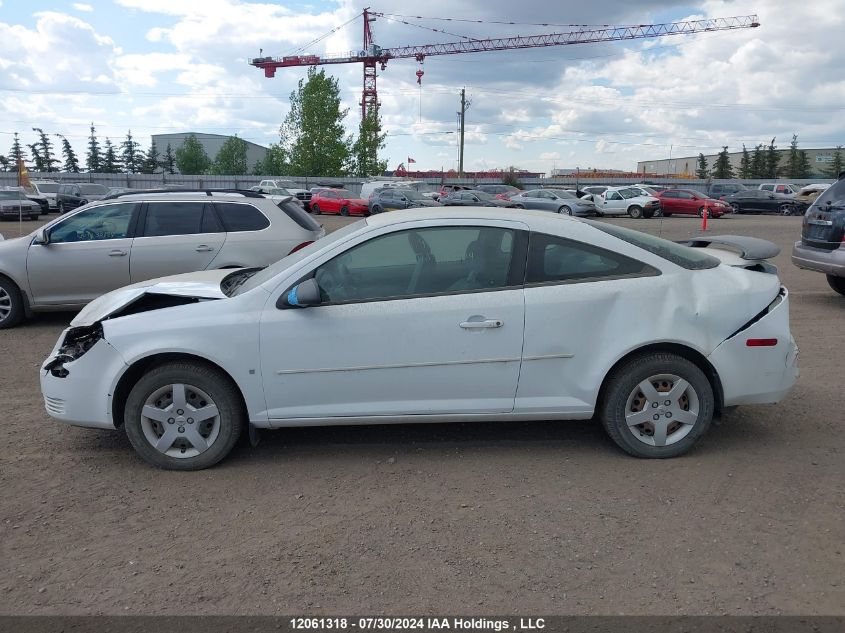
162,66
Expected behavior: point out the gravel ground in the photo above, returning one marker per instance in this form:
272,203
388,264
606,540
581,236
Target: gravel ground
456,518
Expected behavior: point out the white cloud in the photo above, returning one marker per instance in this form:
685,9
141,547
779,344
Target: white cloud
81,6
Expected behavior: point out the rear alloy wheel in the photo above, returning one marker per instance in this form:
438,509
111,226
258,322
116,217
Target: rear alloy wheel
564,210
837,283
11,304
735,207
785,208
315,209
183,416
344,211
657,406
635,212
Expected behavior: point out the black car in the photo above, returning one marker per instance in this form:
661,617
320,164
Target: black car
392,198
720,191
822,245
474,198
74,195
757,201
14,204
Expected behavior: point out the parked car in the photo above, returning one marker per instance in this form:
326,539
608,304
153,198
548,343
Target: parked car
14,204
46,189
556,200
392,198
689,202
302,195
720,190
73,195
592,191
822,244
474,198
807,195
622,200
780,188
377,184
445,190
29,194
277,194
339,201
113,243
758,201
322,337
503,192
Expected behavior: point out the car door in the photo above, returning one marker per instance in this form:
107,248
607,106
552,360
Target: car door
175,237
547,201
422,320
669,202
687,204
87,255
613,203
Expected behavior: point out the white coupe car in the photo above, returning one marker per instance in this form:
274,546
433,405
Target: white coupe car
435,315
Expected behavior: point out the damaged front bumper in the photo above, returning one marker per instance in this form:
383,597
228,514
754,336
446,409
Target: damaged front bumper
76,379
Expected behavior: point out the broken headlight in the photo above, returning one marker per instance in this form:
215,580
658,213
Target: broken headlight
77,341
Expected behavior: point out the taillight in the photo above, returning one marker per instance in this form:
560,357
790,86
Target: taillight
301,246
761,342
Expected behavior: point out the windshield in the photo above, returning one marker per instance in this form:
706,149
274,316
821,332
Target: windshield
560,193
343,193
410,194
93,189
266,274
46,187
629,193
482,195
11,195
278,191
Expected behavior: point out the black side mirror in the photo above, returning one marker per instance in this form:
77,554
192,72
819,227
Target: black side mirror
301,295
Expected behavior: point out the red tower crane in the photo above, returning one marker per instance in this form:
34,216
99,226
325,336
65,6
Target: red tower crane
372,54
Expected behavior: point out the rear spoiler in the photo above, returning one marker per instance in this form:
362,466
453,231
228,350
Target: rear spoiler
738,250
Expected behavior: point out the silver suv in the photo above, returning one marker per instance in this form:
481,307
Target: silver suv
138,236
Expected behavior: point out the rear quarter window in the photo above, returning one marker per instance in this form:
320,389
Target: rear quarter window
683,256
238,217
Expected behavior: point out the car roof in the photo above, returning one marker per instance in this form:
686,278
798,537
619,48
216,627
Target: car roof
532,218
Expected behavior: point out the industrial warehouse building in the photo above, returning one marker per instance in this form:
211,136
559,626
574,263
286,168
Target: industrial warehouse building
820,161
211,143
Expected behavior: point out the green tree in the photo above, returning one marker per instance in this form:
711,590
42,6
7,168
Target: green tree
71,160
151,162
313,134
758,162
365,149
772,160
45,150
37,158
111,163
93,159
793,161
722,168
701,171
130,154
168,162
745,163
231,159
275,163
5,164
833,171
17,152
257,168
510,177
191,157
804,167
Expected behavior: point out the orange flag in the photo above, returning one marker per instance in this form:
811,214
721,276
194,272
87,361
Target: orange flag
23,176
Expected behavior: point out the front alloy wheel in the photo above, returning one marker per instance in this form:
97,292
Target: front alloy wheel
565,210
657,406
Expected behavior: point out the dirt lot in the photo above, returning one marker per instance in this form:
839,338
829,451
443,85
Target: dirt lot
507,518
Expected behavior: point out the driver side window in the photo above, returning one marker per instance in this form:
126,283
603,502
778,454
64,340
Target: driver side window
108,222
419,262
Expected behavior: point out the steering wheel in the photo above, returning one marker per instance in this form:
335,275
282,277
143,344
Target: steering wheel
335,282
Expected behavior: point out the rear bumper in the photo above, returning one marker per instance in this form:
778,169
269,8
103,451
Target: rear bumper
819,259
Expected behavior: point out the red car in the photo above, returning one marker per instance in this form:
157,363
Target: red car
338,201
689,202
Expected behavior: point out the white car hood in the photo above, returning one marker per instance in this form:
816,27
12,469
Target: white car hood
204,284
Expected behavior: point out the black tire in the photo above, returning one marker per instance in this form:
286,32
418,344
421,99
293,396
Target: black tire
376,209
33,217
344,211
635,212
11,303
213,382
315,209
565,210
648,213
837,283
701,213
519,206
621,387
61,208
785,209
735,208
667,215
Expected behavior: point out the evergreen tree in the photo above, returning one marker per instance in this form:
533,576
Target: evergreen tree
71,160
45,150
701,171
93,159
758,162
191,157
313,134
152,160
835,166
366,147
722,168
5,164
804,167
745,163
275,162
111,163
168,162
37,158
793,161
772,160
17,153
131,155
231,159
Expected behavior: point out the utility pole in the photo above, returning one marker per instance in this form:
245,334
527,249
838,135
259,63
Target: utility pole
464,105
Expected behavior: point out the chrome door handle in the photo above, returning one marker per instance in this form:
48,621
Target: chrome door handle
204,248
489,323
117,253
